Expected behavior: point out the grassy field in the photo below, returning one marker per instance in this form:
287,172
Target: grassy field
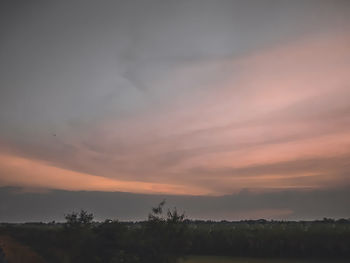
210,259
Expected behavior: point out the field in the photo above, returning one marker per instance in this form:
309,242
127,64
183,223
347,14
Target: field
80,239
214,259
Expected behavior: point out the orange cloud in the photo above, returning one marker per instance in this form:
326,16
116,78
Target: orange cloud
286,104
17,171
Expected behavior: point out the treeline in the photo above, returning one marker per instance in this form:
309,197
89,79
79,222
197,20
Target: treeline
162,238
167,235
309,239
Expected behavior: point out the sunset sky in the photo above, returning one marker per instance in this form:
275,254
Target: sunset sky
196,97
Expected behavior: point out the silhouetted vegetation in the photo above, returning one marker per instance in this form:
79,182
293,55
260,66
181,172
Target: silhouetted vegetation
261,238
167,236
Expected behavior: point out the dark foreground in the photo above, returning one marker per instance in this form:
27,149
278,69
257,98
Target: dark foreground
218,259
168,238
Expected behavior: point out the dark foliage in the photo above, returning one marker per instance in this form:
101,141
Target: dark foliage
167,235
261,238
160,239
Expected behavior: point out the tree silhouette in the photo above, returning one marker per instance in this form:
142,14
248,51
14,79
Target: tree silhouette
78,220
165,235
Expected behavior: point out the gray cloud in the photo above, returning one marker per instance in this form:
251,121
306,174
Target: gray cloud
135,89
61,60
17,205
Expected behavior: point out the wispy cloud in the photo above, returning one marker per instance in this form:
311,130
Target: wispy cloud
173,111
17,171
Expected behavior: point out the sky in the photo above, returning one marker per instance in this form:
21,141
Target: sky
181,98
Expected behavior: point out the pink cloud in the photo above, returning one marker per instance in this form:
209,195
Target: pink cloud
282,104
18,171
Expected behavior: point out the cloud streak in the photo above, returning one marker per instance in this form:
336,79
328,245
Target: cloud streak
185,103
27,173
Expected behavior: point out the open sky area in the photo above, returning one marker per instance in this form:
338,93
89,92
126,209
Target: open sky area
219,100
